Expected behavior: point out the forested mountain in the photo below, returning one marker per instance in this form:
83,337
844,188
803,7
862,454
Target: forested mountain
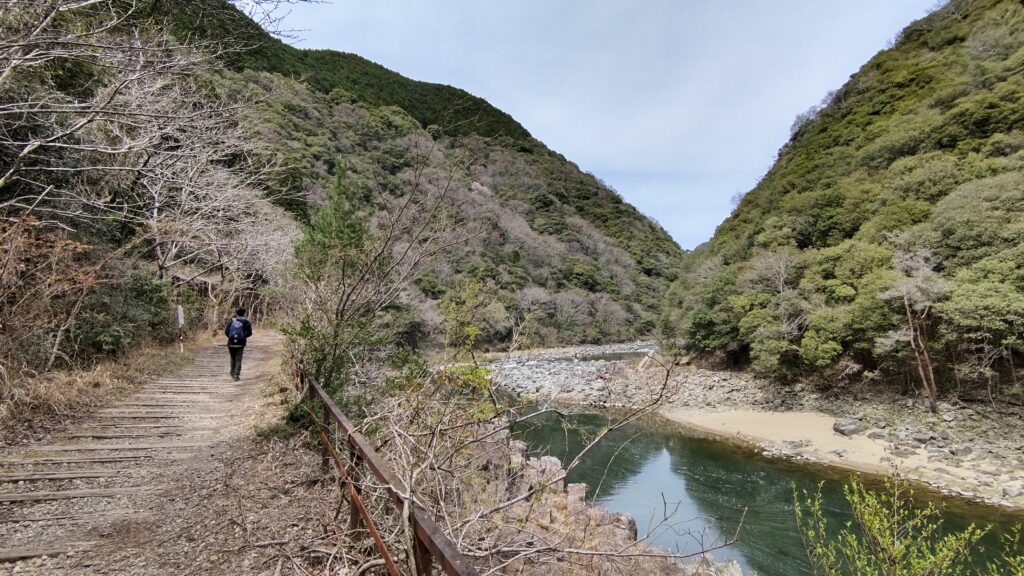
457,111
550,244
886,241
158,153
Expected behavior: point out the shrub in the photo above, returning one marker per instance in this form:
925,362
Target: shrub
889,536
118,316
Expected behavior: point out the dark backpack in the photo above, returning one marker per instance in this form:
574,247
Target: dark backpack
236,333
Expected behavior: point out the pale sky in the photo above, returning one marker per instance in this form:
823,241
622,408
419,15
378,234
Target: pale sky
677,104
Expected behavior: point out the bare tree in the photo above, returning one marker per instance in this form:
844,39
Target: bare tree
454,454
352,276
104,119
773,271
917,287
570,307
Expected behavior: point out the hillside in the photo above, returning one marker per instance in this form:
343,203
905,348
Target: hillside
886,240
552,244
456,111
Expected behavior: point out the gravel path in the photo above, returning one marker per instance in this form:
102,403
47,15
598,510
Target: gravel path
165,481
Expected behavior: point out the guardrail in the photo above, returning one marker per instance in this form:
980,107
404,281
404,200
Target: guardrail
430,544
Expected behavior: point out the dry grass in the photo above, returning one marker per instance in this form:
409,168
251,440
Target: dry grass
36,405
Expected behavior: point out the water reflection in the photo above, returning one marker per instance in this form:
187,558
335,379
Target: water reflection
689,493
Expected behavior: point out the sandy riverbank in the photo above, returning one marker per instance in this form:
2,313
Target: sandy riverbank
808,434
975,452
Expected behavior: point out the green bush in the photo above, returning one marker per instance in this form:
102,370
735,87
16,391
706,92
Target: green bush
891,535
117,317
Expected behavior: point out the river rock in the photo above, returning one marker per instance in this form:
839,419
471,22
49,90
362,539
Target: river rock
848,426
921,437
962,450
626,523
576,497
541,470
707,566
731,568
1013,491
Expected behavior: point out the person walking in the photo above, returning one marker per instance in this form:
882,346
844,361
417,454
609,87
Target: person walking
238,331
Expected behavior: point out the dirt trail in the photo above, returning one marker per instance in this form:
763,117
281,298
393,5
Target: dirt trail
138,487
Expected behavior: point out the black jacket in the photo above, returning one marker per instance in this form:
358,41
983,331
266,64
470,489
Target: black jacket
246,329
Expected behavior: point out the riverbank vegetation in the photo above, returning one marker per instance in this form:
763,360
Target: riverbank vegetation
884,243
443,427
893,536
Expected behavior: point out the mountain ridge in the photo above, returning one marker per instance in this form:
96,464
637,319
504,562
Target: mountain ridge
453,109
907,181
561,247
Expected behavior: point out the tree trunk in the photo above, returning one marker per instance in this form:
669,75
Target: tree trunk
923,364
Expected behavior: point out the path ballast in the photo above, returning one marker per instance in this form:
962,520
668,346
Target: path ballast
68,504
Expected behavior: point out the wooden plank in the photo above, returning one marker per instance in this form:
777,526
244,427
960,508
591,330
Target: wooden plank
74,518
195,407
14,554
165,391
154,394
201,392
133,416
91,447
74,494
162,414
195,383
112,435
78,460
70,475
151,425
144,404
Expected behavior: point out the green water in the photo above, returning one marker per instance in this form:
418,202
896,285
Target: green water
687,492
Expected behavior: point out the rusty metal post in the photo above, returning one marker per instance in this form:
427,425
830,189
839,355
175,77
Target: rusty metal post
355,522
325,436
421,553
305,390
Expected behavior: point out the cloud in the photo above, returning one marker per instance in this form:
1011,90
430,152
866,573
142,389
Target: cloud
677,104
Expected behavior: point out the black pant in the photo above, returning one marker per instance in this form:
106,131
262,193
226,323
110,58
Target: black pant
236,360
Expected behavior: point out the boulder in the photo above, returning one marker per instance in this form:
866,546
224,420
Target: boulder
848,426
706,566
1013,491
576,496
962,450
541,470
921,437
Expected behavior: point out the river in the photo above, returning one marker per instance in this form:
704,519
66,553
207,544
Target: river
689,492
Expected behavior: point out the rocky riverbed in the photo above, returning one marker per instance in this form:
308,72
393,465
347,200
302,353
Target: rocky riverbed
973,451
567,505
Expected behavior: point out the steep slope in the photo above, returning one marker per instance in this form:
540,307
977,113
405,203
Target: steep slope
456,111
902,194
555,244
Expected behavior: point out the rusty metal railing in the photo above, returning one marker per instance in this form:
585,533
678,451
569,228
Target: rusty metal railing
430,544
